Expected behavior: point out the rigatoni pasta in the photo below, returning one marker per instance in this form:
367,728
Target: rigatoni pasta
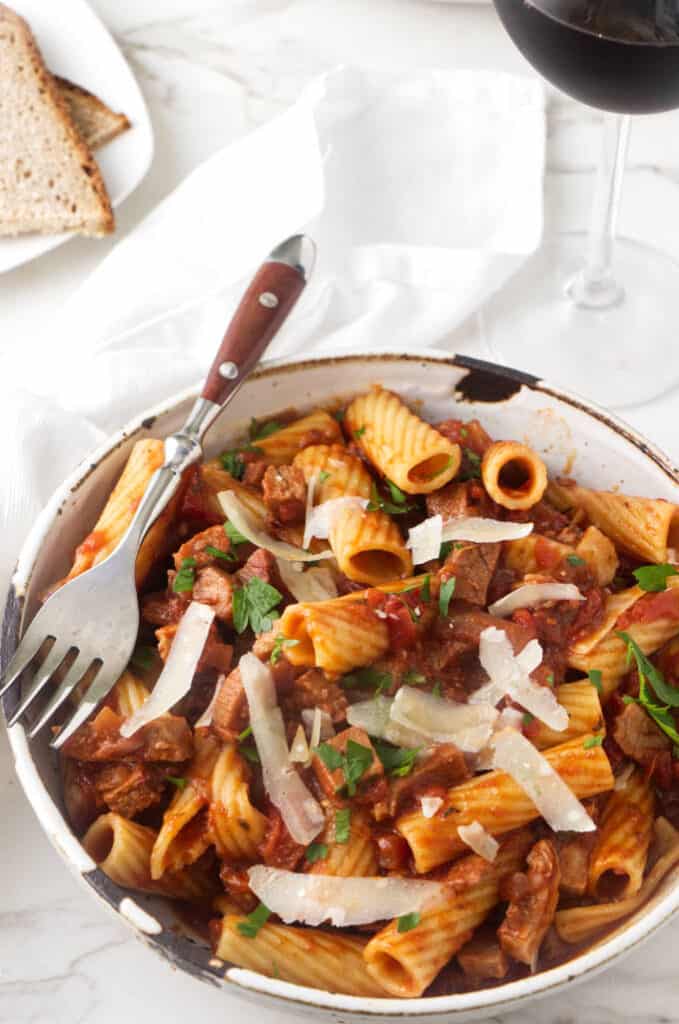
370,769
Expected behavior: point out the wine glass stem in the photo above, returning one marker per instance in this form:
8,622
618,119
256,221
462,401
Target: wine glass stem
594,287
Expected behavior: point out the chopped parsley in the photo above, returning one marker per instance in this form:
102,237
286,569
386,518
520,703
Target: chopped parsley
550,678
397,494
472,469
254,921
279,643
653,578
368,679
233,463
317,851
177,781
396,761
445,550
593,741
143,656
253,606
354,762
393,508
342,824
338,415
425,590
652,687
323,476
186,577
234,535
575,560
436,690
528,718
245,733
358,434
413,678
249,752
258,431
407,922
445,594
226,556
594,676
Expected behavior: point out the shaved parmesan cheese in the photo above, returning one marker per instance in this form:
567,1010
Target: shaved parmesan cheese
310,492
484,531
321,519
532,594
510,675
343,902
468,726
510,718
177,675
300,811
309,586
252,528
299,751
318,725
372,715
480,841
430,805
206,718
424,540
557,804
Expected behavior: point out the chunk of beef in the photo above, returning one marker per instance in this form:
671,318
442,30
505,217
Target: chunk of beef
638,736
195,547
164,608
83,801
284,490
167,738
445,766
473,566
313,689
213,586
255,469
216,654
469,435
331,781
533,897
262,564
230,712
461,499
574,853
278,849
128,789
483,958
237,885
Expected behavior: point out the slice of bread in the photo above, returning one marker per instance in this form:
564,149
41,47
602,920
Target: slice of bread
49,180
96,122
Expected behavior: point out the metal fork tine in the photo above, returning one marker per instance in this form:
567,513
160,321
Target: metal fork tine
99,689
42,677
66,688
23,656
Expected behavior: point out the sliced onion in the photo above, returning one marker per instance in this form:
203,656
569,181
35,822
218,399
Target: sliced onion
430,805
531,594
480,841
343,902
557,804
318,724
321,519
300,811
311,585
510,675
177,675
484,531
468,726
252,528
424,540
299,751
206,718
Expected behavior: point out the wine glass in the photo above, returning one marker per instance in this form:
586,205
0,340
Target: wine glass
596,316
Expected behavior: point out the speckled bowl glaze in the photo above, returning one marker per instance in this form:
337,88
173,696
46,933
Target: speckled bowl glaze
572,436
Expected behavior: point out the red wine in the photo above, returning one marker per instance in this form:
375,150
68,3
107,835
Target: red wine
620,55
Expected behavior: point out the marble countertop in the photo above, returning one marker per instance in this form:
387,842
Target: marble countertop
210,71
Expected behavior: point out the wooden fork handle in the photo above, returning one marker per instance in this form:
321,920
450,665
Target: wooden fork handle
263,309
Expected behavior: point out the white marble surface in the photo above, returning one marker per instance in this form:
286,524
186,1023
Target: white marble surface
210,71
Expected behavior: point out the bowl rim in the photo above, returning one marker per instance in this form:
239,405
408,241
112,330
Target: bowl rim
510,995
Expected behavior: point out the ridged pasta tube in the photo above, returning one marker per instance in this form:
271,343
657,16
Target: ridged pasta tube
513,474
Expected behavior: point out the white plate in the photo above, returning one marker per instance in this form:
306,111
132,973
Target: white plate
76,45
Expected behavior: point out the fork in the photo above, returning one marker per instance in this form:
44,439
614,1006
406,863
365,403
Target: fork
93,620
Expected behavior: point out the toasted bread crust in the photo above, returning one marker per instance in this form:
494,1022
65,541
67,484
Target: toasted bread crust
110,123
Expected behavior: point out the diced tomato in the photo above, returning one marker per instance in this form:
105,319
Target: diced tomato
547,554
650,608
398,609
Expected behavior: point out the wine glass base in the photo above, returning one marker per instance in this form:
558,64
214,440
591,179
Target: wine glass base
621,355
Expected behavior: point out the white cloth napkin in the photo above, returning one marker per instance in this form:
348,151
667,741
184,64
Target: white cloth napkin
423,193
